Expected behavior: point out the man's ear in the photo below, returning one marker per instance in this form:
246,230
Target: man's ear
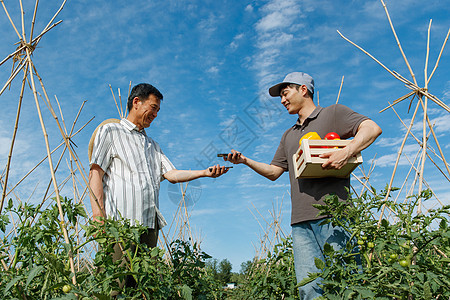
136,102
304,90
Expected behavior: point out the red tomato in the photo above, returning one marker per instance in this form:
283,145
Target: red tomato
332,136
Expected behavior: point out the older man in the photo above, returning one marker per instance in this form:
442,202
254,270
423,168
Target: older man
127,166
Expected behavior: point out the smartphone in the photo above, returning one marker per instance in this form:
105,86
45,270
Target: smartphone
210,169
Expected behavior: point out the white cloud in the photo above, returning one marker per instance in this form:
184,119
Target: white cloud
213,70
205,212
387,142
235,43
280,40
389,160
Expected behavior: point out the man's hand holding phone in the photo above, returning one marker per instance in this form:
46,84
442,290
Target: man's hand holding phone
233,157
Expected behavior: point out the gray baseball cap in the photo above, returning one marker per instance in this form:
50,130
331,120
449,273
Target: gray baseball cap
294,77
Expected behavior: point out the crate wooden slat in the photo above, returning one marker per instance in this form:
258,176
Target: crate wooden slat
308,164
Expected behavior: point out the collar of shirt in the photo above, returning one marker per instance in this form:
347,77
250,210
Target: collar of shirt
313,115
131,126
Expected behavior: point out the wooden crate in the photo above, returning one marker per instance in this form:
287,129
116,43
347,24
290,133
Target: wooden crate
308,164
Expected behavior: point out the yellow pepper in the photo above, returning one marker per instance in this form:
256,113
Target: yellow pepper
309,136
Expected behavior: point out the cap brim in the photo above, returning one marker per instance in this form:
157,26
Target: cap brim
276,89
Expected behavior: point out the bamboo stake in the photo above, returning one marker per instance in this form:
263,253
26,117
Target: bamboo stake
340,88
41,161
425,71
440,54
424,151
420,143
439,147
66,140
408,174
393,73
425,182
22,13
10,20
33,21
58,200
126,106
363,184
115,101
120,101
11,78
13,139
424,124
33,44
397,161
62,116
399,77
186,214
398,42
398,100
54,16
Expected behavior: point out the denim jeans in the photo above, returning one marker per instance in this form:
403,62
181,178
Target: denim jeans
308,239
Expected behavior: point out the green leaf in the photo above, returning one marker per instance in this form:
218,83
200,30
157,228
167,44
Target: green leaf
66,297
427,291
186,292
33,273
311,277
12,283
320,264
365,293
328,249
154,252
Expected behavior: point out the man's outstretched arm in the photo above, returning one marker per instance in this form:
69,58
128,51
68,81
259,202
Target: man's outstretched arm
175,176
271,172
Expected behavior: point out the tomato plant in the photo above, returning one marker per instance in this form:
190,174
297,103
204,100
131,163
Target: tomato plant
67,288
403,259
38,267
404,263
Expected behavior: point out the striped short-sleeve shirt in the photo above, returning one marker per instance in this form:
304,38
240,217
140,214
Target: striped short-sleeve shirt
134,165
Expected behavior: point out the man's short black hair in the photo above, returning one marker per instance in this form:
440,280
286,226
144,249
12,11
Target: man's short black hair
142,91
295,86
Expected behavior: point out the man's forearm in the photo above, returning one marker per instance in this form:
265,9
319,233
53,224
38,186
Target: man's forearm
367,133
269,171
176,176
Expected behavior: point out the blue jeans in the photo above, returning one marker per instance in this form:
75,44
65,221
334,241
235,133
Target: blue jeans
308,239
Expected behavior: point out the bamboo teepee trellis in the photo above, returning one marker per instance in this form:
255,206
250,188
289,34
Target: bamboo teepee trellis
23,58
423,95
22,61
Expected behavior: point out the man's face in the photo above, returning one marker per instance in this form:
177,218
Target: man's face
291,99
147,111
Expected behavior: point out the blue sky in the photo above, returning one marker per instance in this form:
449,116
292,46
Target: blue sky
214,61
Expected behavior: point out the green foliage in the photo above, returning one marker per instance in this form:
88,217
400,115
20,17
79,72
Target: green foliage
387,260
37,268
221,271
39,265
190,272
404,259
272,277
